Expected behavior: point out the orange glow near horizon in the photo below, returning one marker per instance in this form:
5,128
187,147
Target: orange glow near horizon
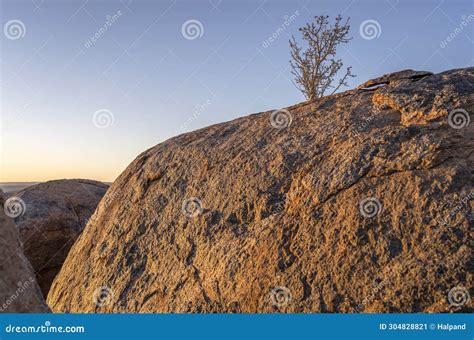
37,165
22,172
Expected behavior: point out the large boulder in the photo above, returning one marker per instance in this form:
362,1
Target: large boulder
357,202
55,214
19,291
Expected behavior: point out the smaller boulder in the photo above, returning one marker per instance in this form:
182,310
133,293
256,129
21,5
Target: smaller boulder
393,77
19,291
54,215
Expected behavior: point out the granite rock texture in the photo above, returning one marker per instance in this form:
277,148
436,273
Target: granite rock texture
19,291
55,214
358,202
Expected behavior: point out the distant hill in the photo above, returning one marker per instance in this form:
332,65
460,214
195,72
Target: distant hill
10,187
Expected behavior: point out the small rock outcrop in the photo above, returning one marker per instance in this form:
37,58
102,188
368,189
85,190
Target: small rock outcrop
358,202
19,291
54,215
391,78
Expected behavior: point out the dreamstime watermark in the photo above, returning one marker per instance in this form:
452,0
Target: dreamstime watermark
465,21
359,128
192,29
370,29
198,110
192,207
14,29
370,207
458,296
46,328
377,287
459,118
110,20
281,119
103,296
463,203
289,19
280,296
14,207
103,118
109,198
22,287
278,209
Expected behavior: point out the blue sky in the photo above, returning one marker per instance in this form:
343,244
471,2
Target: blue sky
154,83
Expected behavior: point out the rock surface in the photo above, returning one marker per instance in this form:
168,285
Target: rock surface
358,202
55,214
19,291
391,78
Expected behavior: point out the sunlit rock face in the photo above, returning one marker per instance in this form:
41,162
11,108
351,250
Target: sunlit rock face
358,202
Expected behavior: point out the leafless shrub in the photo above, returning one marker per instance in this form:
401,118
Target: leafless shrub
315,67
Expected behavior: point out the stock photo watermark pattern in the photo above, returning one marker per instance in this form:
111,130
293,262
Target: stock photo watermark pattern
198,110
288,20
46,328
192,207
459,118
103,119
110,20
103,296
22,287
280,296
458,296
370,29
14,207
192,29
281,119
465,22
462,205
370,207
14,29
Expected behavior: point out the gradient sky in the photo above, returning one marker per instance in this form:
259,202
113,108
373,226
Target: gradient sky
157,84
